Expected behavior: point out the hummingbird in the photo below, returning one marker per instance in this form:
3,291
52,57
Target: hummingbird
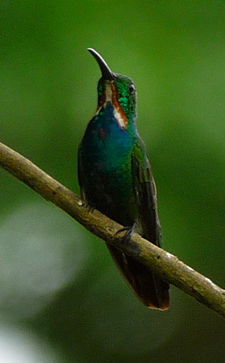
115,178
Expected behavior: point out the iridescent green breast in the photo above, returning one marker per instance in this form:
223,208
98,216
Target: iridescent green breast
105,153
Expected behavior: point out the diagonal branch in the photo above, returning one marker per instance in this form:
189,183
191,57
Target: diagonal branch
161,262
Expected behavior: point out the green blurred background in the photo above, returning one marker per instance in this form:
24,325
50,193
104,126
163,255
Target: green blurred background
62,299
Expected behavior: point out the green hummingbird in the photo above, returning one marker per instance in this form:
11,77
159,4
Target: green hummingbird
115,177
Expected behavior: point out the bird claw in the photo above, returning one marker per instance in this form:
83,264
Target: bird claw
129,232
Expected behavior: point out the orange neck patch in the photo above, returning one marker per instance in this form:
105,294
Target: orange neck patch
111,95
118,110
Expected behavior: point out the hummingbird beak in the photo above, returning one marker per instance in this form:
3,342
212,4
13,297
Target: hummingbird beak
107,74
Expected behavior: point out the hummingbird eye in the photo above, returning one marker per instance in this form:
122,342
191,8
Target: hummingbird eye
132,89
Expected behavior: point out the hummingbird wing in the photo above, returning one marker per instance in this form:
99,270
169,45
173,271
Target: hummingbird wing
149,288
146,195
152,288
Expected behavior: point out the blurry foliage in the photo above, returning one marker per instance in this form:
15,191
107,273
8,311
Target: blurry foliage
58,282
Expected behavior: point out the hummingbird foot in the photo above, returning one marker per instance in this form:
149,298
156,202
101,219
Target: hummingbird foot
129,231
90,208
126,239
85,204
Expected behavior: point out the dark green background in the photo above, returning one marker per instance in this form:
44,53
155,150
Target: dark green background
60,294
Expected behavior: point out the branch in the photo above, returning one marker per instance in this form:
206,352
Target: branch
167,266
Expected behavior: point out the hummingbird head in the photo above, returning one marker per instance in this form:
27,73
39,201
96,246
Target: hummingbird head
118,90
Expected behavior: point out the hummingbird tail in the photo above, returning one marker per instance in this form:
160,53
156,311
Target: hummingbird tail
148,287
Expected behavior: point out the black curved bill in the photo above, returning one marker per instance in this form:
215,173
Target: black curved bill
107,74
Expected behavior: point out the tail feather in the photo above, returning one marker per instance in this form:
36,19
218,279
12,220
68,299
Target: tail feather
149,288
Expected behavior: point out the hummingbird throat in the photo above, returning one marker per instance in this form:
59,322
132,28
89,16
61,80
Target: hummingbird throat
111,95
